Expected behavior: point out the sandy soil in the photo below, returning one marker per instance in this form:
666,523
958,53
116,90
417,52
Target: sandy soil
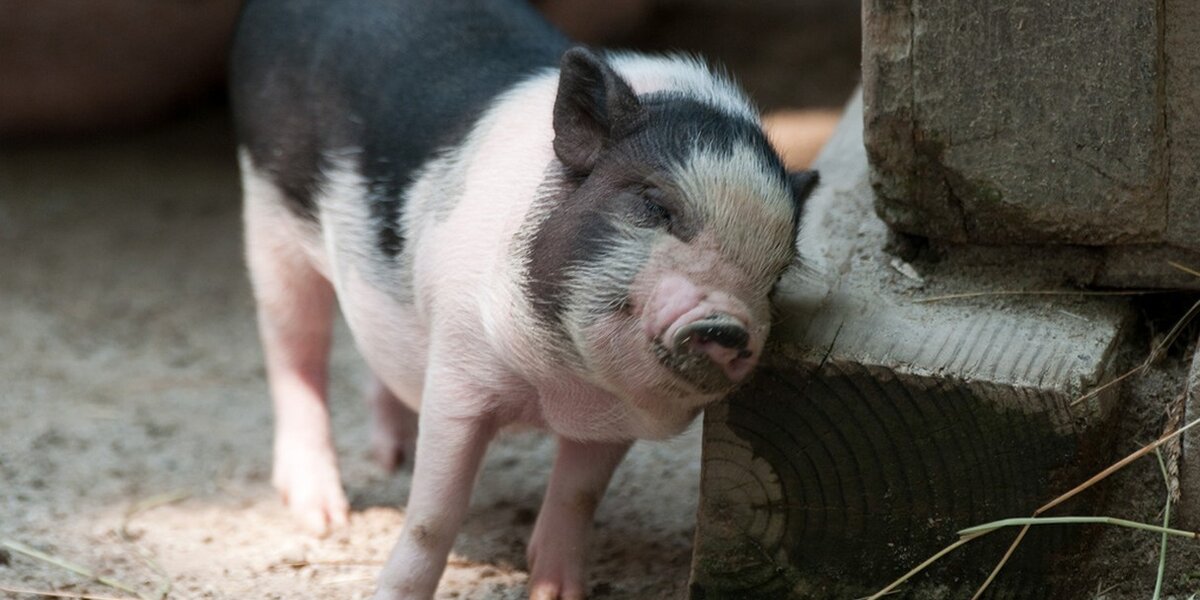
134,422
136,433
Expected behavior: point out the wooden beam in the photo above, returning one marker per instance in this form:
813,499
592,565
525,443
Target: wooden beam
884,422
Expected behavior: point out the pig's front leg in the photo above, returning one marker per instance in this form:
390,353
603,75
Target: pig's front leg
558,547
450,449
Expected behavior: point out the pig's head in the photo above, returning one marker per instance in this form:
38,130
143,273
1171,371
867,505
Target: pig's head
655,248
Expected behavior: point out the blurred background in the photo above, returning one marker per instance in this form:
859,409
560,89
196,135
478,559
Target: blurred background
74,67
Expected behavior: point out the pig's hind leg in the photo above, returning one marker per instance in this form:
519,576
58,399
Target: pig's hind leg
393,427
558,548
295,312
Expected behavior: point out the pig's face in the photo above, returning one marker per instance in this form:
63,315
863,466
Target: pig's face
654,254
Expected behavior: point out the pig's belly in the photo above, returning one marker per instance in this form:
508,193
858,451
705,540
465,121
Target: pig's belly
388,334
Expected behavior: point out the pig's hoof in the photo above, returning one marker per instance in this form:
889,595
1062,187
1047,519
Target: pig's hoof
554,575
319,511
550,590
314,496
393,430
390,453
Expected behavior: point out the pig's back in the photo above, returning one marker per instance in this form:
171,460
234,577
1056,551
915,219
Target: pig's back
382,84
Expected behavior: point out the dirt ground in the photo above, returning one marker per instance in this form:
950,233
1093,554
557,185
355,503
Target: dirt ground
134,421
1116,563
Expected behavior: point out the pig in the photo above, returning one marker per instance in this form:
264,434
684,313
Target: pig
517,231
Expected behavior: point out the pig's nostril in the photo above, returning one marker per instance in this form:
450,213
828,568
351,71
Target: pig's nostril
728,336
712,352
723,330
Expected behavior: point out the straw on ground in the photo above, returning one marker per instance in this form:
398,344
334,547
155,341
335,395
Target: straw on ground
973,533
91,574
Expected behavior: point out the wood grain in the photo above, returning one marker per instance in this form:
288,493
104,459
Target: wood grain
881,425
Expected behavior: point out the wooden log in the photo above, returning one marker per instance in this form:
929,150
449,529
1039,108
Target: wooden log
881,424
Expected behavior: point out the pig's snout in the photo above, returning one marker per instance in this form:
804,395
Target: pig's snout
723,330
720,337
704,335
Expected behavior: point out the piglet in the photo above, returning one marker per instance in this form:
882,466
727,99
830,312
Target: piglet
517,231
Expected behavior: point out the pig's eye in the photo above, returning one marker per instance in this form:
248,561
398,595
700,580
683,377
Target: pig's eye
652,213
775,285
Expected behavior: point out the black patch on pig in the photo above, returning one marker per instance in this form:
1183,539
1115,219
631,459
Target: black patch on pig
593,105
392,81
384,197
627,179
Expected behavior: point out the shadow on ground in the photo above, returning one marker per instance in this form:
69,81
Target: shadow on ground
132,376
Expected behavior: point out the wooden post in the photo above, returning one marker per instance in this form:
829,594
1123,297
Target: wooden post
1040,123
883,424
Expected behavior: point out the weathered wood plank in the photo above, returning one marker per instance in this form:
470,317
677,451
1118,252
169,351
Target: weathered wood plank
1183,121
1029,122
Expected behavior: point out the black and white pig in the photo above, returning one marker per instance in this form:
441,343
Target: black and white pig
516,231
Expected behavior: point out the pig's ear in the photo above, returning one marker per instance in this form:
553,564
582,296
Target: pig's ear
803,183
594,105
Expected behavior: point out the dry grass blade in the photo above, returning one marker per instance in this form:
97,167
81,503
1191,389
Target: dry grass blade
1173,450
921,567
1154,354
1113,468
1114,381
965,295
978,530
1003,561
300,564
1185,269
971,533
1173,334
146,504
348,579
893,592
1093,480
52,594
1162,548
70,566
